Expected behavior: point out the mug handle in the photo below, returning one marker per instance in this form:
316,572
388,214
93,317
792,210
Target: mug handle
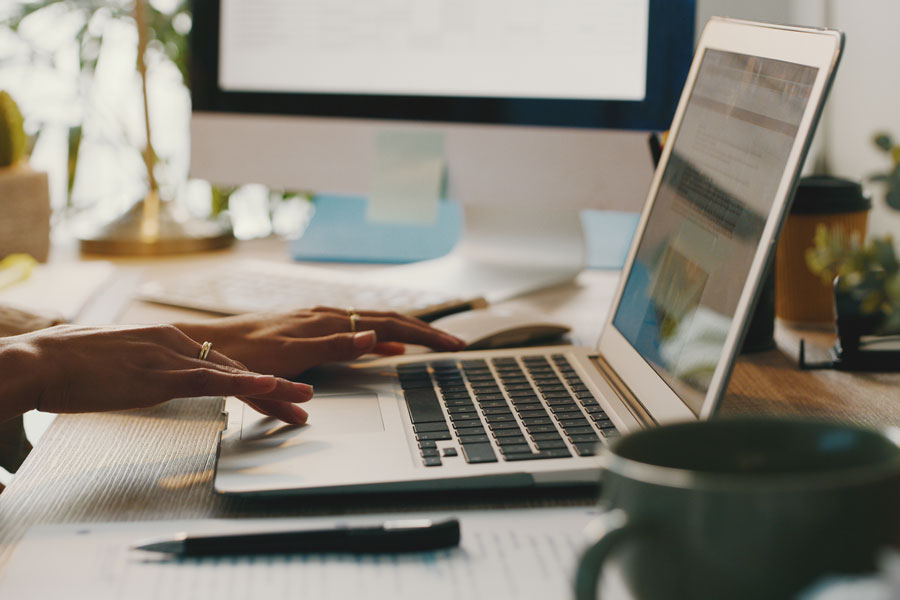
616,529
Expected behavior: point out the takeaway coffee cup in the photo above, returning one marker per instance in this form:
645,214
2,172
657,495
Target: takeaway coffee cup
800,296
744,508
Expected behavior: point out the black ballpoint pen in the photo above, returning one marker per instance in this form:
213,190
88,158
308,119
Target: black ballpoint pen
413,535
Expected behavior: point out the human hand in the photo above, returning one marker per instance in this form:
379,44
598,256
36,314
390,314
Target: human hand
70,369
287,344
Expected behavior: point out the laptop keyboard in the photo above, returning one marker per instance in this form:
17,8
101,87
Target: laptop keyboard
508,408
249,286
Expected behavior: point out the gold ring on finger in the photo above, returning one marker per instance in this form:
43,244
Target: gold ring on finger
204,350
354,318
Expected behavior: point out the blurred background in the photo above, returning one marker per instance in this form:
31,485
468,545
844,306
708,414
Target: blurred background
70,64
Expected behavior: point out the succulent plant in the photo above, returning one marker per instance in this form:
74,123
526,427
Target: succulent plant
885,142
12,133
868,273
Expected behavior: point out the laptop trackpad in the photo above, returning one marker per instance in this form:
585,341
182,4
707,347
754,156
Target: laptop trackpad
329,414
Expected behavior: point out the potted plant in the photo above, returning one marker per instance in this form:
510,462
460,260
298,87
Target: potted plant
866,280
891,178
24,192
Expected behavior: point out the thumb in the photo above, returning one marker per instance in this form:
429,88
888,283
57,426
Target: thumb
340,346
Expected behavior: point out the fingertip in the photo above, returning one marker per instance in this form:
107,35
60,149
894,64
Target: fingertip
453,342
304,391
364,340
390,348
298,415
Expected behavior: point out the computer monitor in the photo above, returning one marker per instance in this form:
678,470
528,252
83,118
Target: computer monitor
544,105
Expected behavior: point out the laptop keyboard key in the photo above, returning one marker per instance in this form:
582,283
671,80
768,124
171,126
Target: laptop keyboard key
579,430
552,453
522,456
504,433
433,435
530,414
579,422
512,441
467,420
586,449
458,402
550,444
537,421
585,438
505,418
504,425
473,439
549,435
555,453
432,461
423,427
493,403
423,406
515,449
542,429
479,453
460,431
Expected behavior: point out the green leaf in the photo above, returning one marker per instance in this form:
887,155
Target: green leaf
883,140
892,196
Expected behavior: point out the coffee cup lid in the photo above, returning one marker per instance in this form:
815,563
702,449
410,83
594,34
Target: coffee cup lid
824,194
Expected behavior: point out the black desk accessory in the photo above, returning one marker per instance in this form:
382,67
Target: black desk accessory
414,535
858,347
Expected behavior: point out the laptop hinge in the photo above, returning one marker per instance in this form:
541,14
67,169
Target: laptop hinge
631,402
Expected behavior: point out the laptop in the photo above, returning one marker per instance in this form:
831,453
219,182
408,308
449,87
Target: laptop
536,416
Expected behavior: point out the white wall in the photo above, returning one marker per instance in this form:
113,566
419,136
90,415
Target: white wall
866,95
772,11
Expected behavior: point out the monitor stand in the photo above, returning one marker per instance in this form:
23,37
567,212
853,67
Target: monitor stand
504,251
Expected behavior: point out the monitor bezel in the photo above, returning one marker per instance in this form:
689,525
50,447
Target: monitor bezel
670,47
820,48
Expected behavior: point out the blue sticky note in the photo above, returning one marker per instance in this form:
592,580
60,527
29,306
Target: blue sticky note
608,235
407,177
339,231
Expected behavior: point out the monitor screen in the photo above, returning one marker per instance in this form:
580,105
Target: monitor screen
465,48
704,228
603,63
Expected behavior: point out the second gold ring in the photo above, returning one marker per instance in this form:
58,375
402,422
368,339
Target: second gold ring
354,318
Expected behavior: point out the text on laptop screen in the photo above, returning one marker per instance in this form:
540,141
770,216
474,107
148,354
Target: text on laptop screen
703,230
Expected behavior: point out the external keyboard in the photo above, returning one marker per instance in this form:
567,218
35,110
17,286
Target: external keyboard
509,408
250,286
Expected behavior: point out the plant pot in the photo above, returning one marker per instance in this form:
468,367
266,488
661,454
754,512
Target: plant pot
24,212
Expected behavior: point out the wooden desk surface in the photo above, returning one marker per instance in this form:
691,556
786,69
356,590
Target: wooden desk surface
158,463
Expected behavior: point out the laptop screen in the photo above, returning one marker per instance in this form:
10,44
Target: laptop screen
716,192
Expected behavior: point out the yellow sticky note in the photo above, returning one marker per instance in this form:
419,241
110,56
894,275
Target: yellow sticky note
407,177
15,268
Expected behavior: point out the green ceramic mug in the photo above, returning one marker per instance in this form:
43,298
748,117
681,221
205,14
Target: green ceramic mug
743,508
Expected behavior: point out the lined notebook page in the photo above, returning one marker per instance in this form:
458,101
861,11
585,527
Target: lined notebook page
503,554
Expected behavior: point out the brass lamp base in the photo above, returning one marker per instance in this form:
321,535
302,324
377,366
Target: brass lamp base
151,227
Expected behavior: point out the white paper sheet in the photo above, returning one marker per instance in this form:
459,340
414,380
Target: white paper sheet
515,554
63,289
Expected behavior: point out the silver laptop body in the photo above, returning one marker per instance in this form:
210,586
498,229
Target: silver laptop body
534,417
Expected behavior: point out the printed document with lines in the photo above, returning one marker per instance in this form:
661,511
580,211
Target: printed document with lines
515,554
